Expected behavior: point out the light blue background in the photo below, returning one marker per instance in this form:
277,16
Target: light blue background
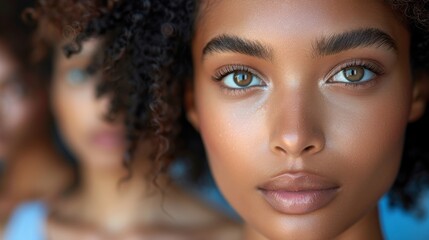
399,225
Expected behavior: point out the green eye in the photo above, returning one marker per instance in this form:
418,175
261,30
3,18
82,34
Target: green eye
77,76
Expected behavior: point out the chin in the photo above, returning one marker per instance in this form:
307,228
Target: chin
107,161
316,225
301,233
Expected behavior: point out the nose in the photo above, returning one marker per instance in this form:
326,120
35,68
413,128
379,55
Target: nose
103,103
296,125
105,108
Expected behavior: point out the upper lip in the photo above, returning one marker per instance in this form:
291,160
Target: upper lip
116,133
298,182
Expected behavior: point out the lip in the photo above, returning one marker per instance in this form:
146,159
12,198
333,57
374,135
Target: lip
299,193
108,139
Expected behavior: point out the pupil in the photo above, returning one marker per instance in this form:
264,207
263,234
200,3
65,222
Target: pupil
354,74
242,79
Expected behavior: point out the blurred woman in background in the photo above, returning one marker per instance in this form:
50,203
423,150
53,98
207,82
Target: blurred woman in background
110,201
32,167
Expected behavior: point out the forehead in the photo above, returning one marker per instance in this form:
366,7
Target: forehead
300,19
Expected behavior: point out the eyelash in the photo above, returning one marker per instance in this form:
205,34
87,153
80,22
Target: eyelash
369,65
224,71
228,69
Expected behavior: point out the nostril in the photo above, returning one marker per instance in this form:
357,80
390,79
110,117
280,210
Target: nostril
308,148
279,149
297,147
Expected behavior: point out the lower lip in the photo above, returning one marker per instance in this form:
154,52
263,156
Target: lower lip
300,202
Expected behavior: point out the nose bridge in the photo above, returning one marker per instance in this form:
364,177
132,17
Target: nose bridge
296,129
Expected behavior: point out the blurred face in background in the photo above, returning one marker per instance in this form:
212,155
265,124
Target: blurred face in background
81,115
23,105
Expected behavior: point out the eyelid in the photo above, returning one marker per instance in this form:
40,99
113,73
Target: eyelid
371,65
223,71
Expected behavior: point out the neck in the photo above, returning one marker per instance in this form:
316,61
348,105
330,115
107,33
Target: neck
111,201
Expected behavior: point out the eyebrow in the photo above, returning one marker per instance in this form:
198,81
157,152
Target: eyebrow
354,39
227,43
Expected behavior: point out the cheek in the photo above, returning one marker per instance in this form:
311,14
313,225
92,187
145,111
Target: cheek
376,148
18,115
377,133
233,135
229,147
69,107
367,144
25,115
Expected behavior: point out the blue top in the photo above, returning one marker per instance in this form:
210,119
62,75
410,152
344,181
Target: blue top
27,222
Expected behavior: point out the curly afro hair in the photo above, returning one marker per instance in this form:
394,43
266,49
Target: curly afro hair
149,62
142,63
413,175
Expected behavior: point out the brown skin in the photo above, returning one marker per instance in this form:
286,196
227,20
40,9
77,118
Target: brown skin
101,208
16,109
298,117
33,167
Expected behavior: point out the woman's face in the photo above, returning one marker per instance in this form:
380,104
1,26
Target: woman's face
21,112
81,116
302,106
